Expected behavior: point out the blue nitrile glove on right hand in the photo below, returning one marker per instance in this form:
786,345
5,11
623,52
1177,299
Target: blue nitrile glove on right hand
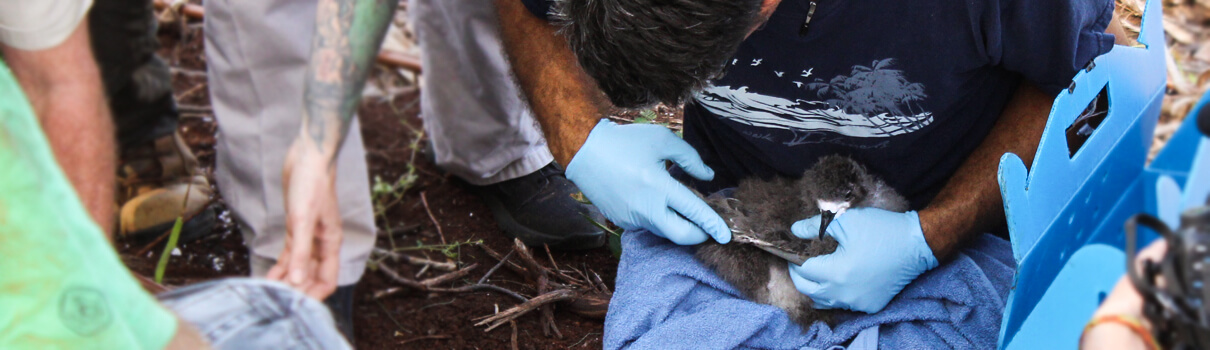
621,170
880,252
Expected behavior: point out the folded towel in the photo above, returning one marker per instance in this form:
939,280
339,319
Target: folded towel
666,299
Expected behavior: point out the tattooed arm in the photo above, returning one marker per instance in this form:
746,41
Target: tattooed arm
347,37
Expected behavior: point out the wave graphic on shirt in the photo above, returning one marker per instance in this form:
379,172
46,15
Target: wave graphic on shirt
741,106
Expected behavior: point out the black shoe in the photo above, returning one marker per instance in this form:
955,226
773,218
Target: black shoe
539,209
340,303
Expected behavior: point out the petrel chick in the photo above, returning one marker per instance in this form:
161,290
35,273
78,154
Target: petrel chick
765,210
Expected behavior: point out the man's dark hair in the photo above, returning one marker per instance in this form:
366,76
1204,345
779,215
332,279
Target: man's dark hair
645,51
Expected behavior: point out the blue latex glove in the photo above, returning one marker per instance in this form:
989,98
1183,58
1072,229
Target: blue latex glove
880,252
621,169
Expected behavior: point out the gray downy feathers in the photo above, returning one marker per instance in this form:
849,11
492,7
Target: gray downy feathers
765,209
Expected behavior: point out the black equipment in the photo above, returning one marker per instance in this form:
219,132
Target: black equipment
1180,309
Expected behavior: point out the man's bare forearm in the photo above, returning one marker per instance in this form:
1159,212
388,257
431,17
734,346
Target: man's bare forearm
347,36
970,202
64,87
563,98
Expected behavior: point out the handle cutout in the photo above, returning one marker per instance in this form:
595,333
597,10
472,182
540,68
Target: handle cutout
1088,121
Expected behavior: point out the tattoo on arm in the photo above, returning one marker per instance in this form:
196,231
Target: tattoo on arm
347,36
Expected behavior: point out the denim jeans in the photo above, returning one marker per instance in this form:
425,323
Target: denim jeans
245,313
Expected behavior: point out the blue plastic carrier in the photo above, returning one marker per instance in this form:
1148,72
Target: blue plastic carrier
1066,214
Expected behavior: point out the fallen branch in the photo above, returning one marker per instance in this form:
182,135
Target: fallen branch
496,320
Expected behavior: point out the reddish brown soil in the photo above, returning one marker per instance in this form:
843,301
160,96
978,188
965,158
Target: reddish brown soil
406,320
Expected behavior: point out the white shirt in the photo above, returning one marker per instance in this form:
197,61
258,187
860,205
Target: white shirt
39,24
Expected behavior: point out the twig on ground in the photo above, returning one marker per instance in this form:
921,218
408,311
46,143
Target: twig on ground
392,318
551,257
513,324
432,306
426,337
511,265
194,109
192,73
430,285
191,91
414,260
601,283
582,340
449,277
424,199
422,271
494,268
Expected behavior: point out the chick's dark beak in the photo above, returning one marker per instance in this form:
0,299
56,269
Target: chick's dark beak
825,219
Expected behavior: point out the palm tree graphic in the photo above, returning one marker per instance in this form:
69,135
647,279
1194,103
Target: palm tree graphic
872,91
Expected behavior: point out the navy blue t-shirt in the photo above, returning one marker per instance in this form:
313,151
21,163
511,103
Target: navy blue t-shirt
908,88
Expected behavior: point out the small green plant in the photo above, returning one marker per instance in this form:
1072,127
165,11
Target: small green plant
173,237
385,194
615,236
648,116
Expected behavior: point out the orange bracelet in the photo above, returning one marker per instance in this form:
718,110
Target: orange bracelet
1131,322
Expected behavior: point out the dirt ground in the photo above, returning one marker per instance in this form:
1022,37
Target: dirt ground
407,319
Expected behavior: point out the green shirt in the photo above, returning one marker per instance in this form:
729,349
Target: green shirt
61,283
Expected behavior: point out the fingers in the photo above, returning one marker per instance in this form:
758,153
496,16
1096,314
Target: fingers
278,271
679,152
327,254
683,201
675,228
807,228
300,241
810,288
820,268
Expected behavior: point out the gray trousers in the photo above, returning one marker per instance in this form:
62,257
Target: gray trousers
482,130
257,54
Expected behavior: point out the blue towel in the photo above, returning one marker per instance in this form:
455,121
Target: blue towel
666,299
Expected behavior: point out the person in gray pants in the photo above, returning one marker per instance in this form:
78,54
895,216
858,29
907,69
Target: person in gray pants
483,132
296,184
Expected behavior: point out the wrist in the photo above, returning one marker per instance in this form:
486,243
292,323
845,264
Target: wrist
938,233
1121,331
576,154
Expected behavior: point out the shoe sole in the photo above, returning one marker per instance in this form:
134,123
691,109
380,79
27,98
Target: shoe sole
201,225
535,238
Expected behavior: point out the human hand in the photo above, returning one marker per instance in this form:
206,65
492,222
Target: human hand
310,260
880,252
1125,301
621,169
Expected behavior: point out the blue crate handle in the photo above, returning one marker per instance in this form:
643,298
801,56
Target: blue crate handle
1059,205
1179,177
